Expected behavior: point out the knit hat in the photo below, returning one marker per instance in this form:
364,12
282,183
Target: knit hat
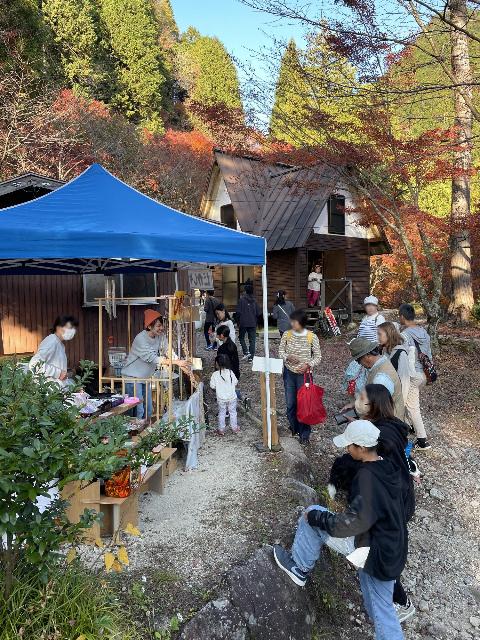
150,315
360,432
371,300
359,347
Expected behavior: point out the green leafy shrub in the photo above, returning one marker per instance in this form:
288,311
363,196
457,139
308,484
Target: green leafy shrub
74,603
45,444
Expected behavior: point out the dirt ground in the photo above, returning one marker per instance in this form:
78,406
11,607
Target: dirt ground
215,517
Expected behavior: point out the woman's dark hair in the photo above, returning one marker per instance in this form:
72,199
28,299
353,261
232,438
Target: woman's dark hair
223,361
221,307
249,288
61,321
300,316
223,330
381,403
407,311
280,297
210,292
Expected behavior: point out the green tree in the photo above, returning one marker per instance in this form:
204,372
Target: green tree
77,35
316,89
132,34
168,37
416,68
207,72
23,33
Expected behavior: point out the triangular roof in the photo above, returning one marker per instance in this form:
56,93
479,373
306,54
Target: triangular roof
29,179
96,216
277,201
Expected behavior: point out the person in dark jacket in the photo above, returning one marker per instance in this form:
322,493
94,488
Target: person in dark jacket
375,404
210,318
229,348
248,313
372,532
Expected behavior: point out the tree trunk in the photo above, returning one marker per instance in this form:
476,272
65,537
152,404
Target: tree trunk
461,260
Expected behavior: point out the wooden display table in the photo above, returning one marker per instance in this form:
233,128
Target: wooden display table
117,512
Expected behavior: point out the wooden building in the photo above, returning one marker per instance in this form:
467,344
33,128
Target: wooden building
304,216
30,304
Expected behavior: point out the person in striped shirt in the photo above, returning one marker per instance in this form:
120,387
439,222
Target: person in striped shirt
300,352
369,325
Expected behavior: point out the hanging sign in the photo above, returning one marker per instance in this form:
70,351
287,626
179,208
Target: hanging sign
200,279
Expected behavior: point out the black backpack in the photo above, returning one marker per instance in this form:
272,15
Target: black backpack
396,357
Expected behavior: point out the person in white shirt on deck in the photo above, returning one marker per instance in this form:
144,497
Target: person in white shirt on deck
51,359
224,382
314,285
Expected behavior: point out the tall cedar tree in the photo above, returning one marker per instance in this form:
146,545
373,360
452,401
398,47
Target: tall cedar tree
314,87
168,37
77,35
132,33
207,71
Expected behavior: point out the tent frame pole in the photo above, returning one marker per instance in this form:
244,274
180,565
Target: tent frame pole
267,354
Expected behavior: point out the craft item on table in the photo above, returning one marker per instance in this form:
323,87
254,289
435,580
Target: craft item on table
334,328
130,400
116,358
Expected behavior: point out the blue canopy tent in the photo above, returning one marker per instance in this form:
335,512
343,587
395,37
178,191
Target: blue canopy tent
98,224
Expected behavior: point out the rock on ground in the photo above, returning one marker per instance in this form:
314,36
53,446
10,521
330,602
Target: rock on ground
218,620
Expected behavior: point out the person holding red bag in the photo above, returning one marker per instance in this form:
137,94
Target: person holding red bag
300,352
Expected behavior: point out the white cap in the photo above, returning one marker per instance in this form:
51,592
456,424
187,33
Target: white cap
371,300
360,432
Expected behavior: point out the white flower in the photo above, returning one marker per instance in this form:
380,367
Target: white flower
144,578
179,617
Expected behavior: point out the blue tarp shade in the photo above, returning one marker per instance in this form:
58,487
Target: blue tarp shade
93,222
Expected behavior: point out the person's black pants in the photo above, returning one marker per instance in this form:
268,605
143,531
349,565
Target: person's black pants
206,327
293,382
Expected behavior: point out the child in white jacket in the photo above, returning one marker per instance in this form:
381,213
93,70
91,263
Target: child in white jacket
224,382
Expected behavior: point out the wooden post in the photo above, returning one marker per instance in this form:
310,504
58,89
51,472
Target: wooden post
129,324
100,345
170,363
273,414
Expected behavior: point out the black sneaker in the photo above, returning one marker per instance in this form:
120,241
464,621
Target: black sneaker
422,444
286,563
404,612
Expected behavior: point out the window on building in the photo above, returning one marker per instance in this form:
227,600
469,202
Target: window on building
227,216
140,287
233,280
336,214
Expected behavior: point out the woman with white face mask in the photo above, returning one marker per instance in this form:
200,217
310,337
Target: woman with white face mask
51,359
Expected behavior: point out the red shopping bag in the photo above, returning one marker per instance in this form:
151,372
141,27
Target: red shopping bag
310,409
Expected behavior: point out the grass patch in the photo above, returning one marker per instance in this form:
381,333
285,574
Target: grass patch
74,604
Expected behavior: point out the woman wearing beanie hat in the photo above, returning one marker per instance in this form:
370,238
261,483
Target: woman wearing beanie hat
148,348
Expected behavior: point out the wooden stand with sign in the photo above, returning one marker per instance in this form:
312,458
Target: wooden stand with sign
273,412
275,367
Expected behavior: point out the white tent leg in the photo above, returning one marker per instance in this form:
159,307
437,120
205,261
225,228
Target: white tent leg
267,354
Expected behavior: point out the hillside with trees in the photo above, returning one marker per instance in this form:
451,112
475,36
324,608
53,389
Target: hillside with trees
112,81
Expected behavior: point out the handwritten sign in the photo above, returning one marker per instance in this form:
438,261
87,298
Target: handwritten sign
201,279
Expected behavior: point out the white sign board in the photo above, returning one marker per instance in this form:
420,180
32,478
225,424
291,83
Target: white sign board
200,279
276,364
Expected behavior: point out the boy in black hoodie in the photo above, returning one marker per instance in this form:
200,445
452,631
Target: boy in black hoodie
373,529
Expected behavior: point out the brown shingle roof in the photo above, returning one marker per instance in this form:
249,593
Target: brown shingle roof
293,204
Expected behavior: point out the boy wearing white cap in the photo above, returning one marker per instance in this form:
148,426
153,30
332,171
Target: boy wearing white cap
372,532
369,325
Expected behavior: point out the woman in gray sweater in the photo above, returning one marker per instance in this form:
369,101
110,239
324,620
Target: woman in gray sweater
149,347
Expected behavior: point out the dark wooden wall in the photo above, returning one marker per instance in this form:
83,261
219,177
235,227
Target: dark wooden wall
30,304
289,269
357,262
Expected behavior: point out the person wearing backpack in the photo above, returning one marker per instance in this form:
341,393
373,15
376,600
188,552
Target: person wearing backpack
419,339
300,352
281,312
393,346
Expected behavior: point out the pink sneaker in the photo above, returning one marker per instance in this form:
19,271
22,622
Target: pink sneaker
237,430
220,433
